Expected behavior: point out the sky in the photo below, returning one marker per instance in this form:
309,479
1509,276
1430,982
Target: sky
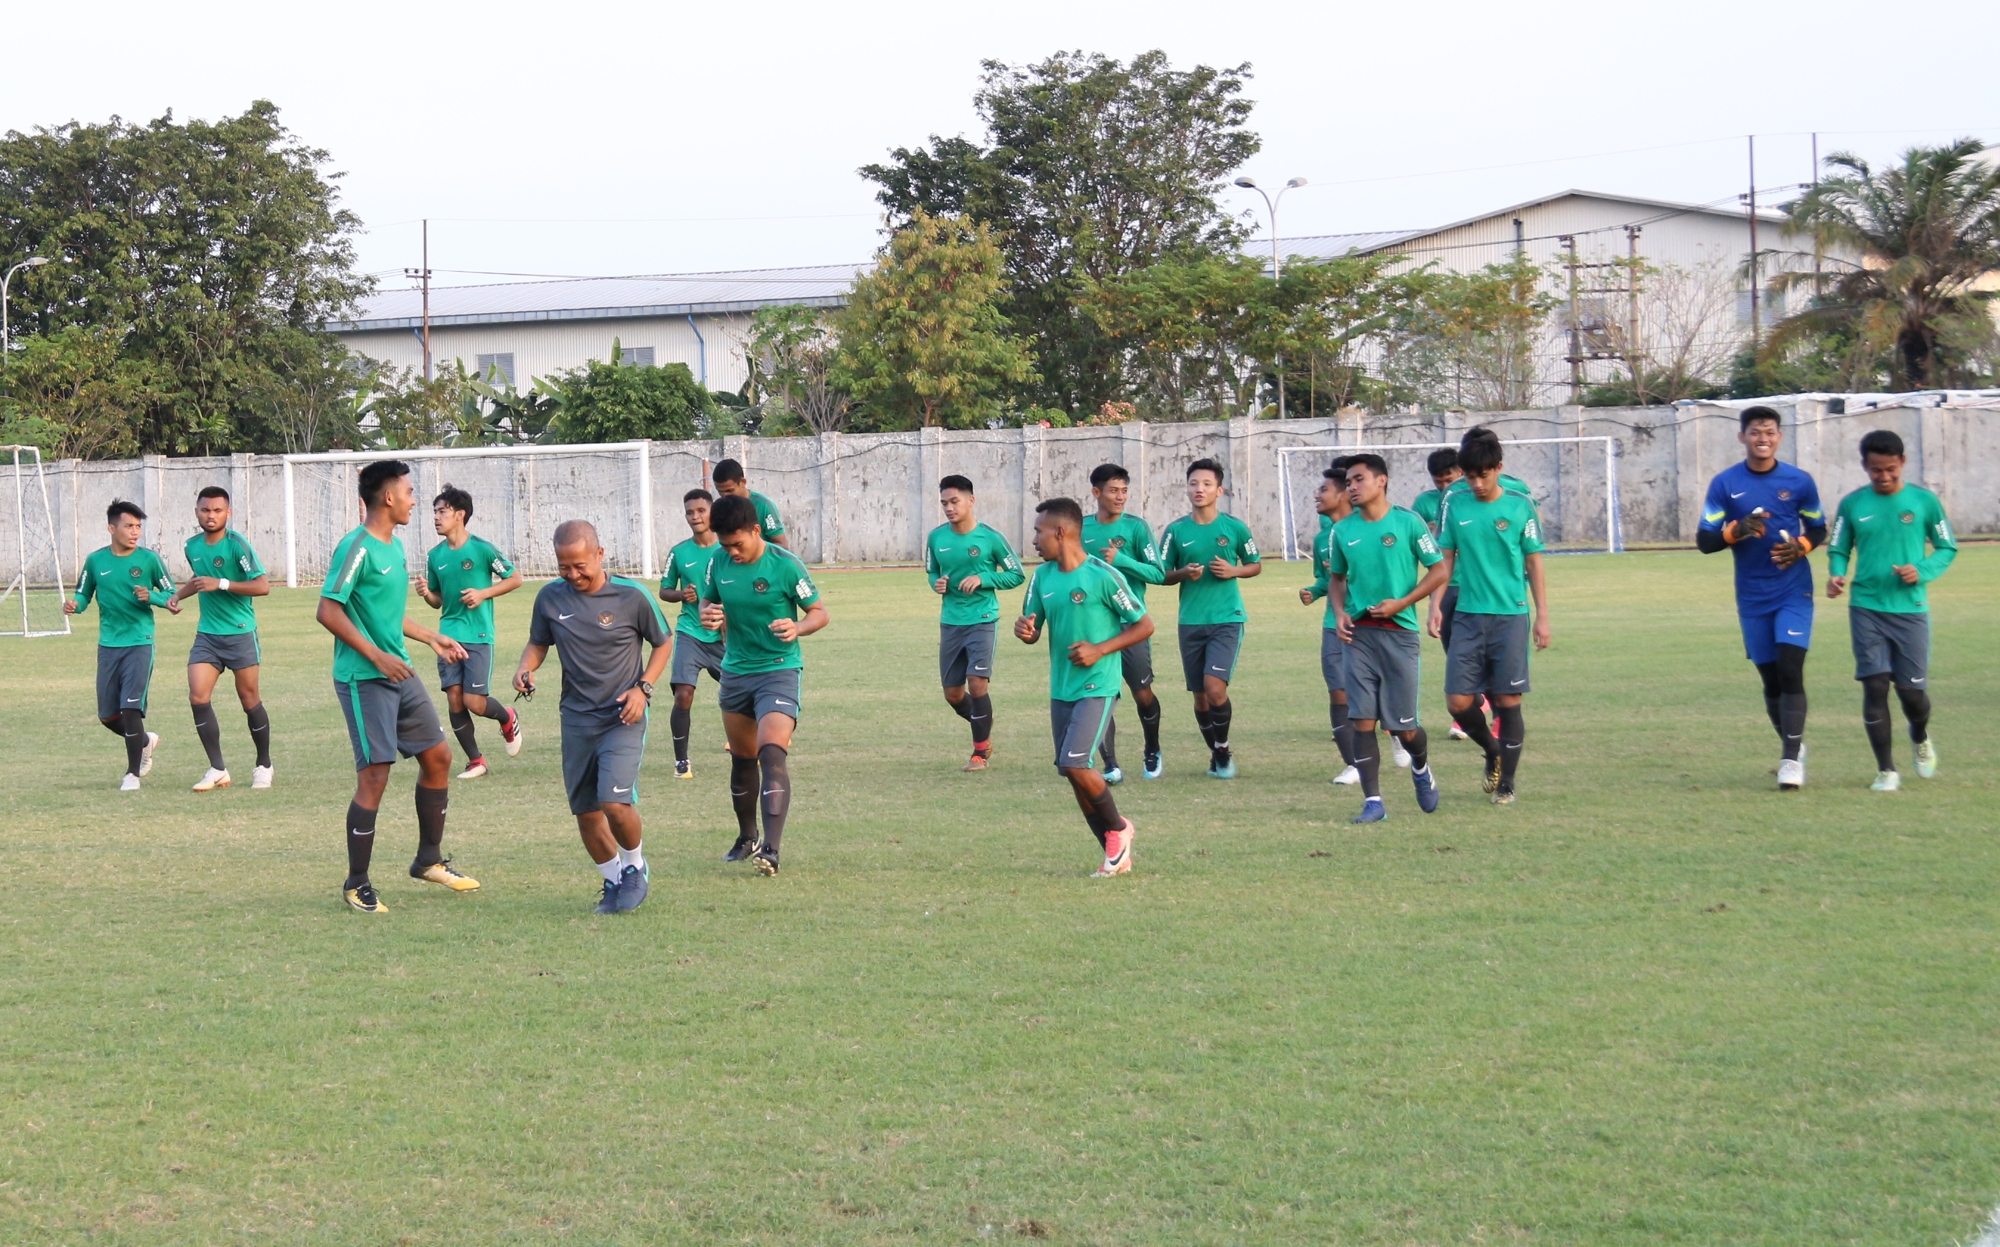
617,138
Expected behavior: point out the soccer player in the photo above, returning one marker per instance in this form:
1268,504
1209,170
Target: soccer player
696,649
729,480
1334,506
1125,541
227,575
129,584
387,710
1090,615
1768,514
1206,553
464,574
1376,563
1492,542
598,620
965,562
1443,468
1883,528
764,599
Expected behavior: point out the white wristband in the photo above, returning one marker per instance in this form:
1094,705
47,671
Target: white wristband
222,586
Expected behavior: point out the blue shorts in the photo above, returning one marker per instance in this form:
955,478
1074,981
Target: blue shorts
1790,623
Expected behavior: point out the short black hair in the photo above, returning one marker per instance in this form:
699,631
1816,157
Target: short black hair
455,498
1374,463
1759,412
692,494
1106,472
378,474
122,507
963,484
1480,451
726,471
1205,465
212,491
1881,442
1337,470
732,513
1442,461
1062,509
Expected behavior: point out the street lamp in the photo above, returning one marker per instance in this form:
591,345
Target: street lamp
33,261
1277,269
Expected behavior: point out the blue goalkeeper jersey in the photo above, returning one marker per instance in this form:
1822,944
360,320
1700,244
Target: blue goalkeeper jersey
1790,502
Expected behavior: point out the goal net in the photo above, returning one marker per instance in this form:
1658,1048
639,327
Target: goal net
32,603
1574,481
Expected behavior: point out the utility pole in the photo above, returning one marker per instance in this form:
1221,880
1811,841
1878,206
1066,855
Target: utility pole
424,274
1756,293
1575,340
1633,354
1818,291
1277,268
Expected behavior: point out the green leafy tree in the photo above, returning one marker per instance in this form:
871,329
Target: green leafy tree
1469,339
615,402
71,394
923,339
793,355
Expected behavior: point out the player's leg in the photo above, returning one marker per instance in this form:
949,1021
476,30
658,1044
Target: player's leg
1364,706
1913,660
1333,669
1402,652
250,695
479,699
131,680
580,761
462,728
1077,728
1137,664
419,735
370,714
1466,680
1506,649
1447,616
979,686
620,750
953,660
1194,658
681,721
777,706
1872,671
1224,643
204,670
739,726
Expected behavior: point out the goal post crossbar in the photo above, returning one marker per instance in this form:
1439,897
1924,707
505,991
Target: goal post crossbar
1614,541
26,461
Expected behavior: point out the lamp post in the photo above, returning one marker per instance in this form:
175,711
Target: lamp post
1277,264
6,343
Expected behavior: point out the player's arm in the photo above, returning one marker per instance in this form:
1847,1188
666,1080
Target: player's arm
160,594
1944,548
429,589
86,589
1839,549
441,645
1248,562
1336,588
934,572
1539,591
502,588
332,616
1116,595
1028,627
1006,572
532,656
1178,569
804,595
634,701
1716,530
1436,576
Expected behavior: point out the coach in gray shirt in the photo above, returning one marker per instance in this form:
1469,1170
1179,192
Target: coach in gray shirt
598,621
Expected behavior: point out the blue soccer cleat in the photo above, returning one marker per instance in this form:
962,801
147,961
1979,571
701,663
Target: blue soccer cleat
1372,811
608,902
1156,766
1427,789
633,884
1114,776
1224,766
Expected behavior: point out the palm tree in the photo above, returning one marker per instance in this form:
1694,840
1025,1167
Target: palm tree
1927,231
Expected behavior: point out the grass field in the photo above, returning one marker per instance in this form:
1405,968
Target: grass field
1655,1001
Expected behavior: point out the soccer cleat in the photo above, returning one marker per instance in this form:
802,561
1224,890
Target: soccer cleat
1352,775
129,784
607,903
1402,754
1224,766
767,863
1926,759
1791,775
212,780
1492,779
1114,776
364,899
146,754
510,732
1458,733
1372,811
1886,781
1156,766
1427,790
1211,766
261,777
742,849
683,769
474,770
1117,852
1503,795
982,757
633,885
442,873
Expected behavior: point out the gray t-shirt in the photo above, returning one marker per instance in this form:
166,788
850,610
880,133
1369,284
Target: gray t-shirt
598,636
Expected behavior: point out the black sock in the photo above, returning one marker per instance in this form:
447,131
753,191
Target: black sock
1218,718
494,710
360,844
681,720
1472,721
1875,720
210,732
431,804
1343,732
962,707
468,738
114,725
1207,726
1149,723
1917,709
260,732
132,726
1774,688
1107,748
1106,809
1792,722
1368,760
981,718
743,795
777,796
1419,745
1091,818
1513,730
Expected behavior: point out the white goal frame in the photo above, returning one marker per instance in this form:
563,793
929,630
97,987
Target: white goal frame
21,583
1613,525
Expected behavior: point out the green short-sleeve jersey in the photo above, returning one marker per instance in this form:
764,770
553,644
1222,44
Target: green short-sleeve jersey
229,558
1462,487
1427,505
753,597
1381,559
1127,544
1321,573
114,581
371,579
1881,532
1493,540
687,567
1185,543
768,521
983,553
1092,603
478,564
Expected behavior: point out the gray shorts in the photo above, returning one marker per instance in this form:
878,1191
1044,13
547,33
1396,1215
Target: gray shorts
692,656
1892,641
1333,660
470,674
1447,611
1488,654
1079,728
1384,670
760,693
601,759
964,651
123,674
385,719
234,652
1209,650
1138,664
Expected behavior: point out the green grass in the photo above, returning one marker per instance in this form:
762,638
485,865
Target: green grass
1655,1001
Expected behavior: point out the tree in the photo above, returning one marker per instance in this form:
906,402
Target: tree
1927,230
1093,169
923,340
615,402
70,394
1470,339
792,356
312,395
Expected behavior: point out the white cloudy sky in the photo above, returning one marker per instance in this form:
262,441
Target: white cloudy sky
615,138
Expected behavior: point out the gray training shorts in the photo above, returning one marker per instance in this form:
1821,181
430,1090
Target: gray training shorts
233,652
692,656
601,758
1078,727
470,674
964,651
1488,654
385,719
760,693
1333,660
123,674
1384,670
1895,642
1138,664
1209,650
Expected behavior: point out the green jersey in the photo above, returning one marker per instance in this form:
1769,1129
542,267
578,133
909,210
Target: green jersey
371,580
982,553
1459,489
114,580
1427,504
1185,543
1092,603
687,567
1493,540
478,564
753,597
768,522
1321,560
1381,559
1883,531
229,558
1127,544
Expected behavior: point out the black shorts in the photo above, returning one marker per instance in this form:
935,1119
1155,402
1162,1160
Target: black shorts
470,674
965,651
692,656
385,719
1138,665
1384,666
759,693
233,652
1895,643
1209,650
601,758
124,672
1488,654
1078,727
1333,660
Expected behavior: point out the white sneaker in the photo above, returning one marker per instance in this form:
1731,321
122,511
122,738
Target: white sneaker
474,771
1791,775
1402,754
1458,733
1886,781
261,777
1927,758
146,754
129,784
212,780
1348,776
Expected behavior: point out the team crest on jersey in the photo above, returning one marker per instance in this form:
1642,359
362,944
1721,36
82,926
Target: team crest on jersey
761,585
135,573
465,565
1907,517
218,560
1076,595
1222,541
1118,543
1784,495
973,551
1501,525
605,619
1388,539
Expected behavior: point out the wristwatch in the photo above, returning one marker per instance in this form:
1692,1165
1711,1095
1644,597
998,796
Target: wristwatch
646,687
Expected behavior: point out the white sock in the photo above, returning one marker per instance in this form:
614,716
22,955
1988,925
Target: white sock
611,870
634,856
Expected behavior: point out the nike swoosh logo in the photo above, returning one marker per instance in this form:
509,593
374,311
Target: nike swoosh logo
1406,720
1079,755
1789,632
779,701
1355,542
131,699
571,615
1739,495
1463,523
626,789
1520,681
1864,519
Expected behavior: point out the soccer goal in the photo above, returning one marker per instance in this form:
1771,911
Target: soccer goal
1574,480
34,593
